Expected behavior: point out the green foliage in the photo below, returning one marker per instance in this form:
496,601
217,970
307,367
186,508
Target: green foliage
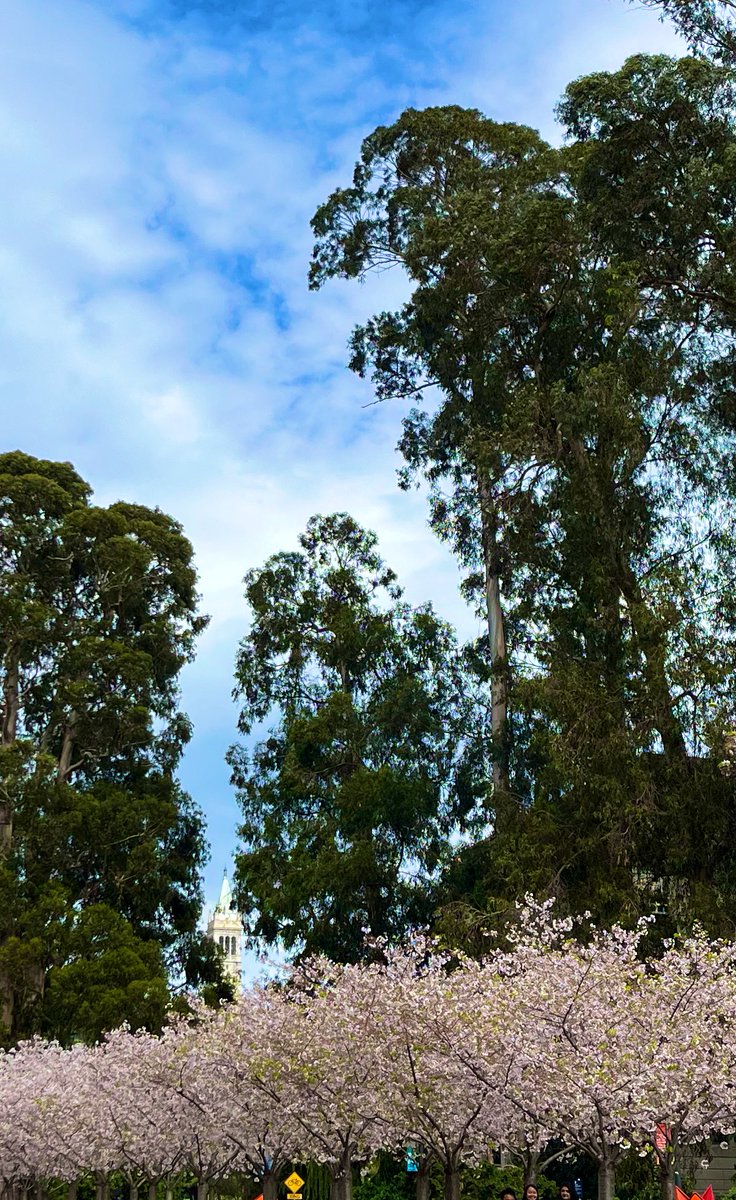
385,1179
316,1181
108,976
351,800
98,614
636,1180
486,1182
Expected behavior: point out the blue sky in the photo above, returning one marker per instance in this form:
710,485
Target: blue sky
159,164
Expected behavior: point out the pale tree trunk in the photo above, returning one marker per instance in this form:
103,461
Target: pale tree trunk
152,1189
270,1187
133,1190
8,734
67,748
203,1188
169,1191
71,1190
497,648
11,697
606,1179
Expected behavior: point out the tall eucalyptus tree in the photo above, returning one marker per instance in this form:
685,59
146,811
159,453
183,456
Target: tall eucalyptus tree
577,463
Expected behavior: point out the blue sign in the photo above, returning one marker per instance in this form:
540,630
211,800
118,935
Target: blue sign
411,1159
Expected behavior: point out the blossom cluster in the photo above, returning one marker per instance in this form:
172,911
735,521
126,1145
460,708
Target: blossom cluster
566,1035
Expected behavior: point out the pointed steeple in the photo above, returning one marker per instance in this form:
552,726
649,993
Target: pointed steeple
224,904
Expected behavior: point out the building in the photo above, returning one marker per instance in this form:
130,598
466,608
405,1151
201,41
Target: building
225,927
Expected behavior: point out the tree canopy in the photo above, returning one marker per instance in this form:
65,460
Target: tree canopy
580,1040
101,850
352,799
561,347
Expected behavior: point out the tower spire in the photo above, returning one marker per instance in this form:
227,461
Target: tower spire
224,904
225,927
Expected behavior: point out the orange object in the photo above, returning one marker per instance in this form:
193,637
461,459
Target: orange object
706,1195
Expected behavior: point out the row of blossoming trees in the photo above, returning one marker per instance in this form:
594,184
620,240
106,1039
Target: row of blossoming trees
552,1037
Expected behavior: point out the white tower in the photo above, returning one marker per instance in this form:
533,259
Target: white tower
226,928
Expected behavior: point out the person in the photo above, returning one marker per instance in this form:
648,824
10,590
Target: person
531,1192
507,1194
564,1192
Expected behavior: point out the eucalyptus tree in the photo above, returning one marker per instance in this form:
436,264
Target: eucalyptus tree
561,430
521,336
467,208
353,799
98,614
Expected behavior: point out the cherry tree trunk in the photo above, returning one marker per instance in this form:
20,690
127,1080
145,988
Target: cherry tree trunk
606,1179
341,1180
270,1186
531,1165
422,1182
152,1189
667,1178
203,1188
133,1191
452,1182
71,1190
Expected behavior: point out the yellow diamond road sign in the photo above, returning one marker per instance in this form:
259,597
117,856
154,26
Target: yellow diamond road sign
294,1182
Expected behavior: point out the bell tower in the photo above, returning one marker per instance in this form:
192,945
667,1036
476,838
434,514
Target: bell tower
226,929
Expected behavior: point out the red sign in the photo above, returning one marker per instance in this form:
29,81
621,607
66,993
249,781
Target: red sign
662,1137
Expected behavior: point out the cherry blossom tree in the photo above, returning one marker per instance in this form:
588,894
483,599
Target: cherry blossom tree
431,1099
687,1048
322,1061
224,1054
562,1034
